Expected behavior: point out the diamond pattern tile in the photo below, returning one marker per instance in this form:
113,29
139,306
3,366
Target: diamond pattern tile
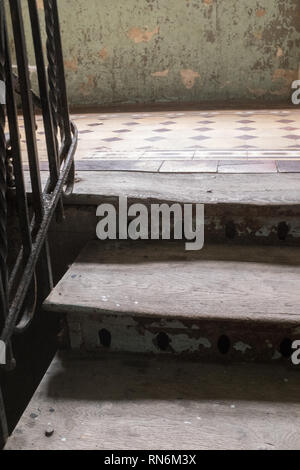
122,131
292,137
246,146
206,122
200,137
112,139
265,135
155,139
203,129
246,121
247,137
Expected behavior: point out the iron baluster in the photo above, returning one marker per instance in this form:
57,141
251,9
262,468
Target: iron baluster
3,218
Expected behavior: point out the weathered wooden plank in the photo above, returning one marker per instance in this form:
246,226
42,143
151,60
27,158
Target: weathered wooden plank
128,402
162,280
259,189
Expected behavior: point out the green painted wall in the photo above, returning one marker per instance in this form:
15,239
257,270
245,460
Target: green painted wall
128,51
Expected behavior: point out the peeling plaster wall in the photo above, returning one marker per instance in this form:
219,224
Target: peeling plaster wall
179,50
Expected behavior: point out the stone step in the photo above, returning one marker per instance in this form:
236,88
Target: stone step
232,301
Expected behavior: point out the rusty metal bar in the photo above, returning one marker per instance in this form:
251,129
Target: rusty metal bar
3,201
50,133
27,106
20,296
3,216
46,202
57,83
52,69
21,197
43,86
3,423
61,80
18,292
45,271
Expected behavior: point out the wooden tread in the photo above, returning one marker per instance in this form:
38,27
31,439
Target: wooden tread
91,187
162,280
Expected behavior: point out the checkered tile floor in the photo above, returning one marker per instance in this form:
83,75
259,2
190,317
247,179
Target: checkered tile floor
225,141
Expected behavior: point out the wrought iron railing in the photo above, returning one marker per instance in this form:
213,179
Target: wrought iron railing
19,287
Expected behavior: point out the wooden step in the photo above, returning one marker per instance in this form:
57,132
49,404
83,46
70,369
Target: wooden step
91,187
131,402
230,298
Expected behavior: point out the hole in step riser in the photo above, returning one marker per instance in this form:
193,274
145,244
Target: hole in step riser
224,344
163,341
230,230
105,338
282,231
286,347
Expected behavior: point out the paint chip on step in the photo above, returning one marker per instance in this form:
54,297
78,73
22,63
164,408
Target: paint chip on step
241,347
205,343
276,355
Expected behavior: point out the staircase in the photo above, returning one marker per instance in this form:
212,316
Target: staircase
174,349
237,299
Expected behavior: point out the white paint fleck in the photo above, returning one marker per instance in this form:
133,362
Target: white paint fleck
263,232
241,347
63,439
205,343
187,422
232,407
276,355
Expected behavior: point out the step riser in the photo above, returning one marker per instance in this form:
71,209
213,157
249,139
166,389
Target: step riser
208,340
223,223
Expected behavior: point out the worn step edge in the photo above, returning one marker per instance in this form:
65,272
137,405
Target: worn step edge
161,280
91,187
